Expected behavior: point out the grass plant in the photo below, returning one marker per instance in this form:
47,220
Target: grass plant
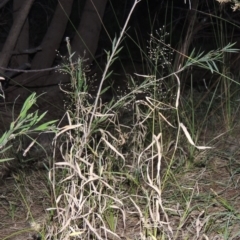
112,174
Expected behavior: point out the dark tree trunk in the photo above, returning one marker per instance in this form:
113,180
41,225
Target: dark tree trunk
86,40
84,44
12,38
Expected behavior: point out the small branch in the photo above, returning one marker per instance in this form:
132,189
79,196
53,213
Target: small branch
109,62
10,74
27,51
30,71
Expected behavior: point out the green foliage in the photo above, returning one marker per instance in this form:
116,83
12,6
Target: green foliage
209,60
25,124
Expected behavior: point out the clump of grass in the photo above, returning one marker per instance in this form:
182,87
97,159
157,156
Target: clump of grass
112,174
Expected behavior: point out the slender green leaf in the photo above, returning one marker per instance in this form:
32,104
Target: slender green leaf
27,105
6,160
108,75
5,149
45,126
114,43
104,90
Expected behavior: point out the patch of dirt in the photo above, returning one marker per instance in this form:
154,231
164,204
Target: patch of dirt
211,188
23,202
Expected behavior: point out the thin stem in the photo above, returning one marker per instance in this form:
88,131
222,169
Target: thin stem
109,63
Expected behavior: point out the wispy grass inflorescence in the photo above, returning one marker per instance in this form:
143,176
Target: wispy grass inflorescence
158,50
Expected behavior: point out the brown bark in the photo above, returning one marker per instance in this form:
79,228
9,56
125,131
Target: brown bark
184,45
86,40
51,41
10,43
53,37
22,41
